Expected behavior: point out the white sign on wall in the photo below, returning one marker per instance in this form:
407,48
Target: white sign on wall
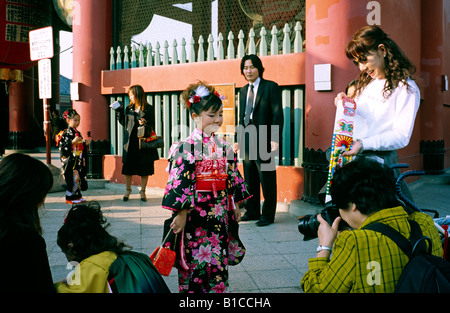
45,79
41,43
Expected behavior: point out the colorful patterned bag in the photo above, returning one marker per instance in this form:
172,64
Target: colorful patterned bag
163,258
151,142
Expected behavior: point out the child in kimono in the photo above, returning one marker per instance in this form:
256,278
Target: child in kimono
73,150
103,263
203,187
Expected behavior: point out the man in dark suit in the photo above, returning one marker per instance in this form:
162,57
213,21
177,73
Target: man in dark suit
260,122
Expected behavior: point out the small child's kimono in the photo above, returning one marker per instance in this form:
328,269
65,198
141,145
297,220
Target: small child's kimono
206,182
73,160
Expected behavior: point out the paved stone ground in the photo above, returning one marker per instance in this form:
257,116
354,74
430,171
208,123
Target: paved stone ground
275,261
276,258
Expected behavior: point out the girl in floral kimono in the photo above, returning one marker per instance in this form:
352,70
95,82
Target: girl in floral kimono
73,150
203,187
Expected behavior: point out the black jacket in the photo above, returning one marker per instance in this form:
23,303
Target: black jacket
127,119
267,110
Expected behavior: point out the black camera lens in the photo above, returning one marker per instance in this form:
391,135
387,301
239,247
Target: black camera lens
308,225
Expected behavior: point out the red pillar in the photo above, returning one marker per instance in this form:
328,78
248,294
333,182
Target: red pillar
92,40
21,108
432,126
432,109
329,26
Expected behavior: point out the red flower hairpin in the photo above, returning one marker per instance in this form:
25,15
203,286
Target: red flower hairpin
194,99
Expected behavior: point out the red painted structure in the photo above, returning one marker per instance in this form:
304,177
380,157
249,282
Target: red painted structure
418,26
92,40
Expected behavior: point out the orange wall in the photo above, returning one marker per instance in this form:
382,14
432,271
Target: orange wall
286,70
289,178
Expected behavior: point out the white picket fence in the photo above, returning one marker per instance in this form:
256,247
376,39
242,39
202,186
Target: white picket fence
148,55
169,114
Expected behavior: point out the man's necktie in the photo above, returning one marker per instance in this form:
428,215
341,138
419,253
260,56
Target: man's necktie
249,108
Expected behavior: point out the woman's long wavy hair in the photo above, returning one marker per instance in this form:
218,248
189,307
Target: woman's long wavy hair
398,68
24,184
84,233
139,97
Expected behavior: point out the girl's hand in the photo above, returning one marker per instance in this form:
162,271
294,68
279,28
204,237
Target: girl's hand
236,147
142,121
237,212
179,222
354,150
77,139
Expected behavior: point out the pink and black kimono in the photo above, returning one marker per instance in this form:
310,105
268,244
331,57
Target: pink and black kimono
204,179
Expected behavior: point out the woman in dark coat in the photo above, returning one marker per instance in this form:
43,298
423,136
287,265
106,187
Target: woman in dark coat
24,266
136,161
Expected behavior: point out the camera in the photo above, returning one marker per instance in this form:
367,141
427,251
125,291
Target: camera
308,225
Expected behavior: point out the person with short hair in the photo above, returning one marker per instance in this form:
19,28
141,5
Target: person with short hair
261,120
364,192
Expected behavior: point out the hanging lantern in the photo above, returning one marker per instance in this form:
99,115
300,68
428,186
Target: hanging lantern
65,10
17,18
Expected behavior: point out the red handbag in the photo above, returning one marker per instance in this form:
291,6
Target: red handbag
163,258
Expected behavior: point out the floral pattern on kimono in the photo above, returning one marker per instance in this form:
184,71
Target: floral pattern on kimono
211,239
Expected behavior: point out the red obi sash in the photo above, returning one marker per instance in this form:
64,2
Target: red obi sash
77,148
211,173
211,182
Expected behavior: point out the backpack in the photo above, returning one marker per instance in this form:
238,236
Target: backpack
134,272
424,273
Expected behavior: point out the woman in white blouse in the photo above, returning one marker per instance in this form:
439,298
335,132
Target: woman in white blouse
387,97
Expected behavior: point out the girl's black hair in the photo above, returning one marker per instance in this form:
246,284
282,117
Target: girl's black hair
84,233
70,114
210,101
24,184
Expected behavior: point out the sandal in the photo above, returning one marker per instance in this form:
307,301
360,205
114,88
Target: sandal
143,196
126,196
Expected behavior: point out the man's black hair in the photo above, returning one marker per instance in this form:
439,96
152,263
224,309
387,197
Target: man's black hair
365,182
256,61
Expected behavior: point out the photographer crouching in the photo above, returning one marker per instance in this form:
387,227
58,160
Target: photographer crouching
362,260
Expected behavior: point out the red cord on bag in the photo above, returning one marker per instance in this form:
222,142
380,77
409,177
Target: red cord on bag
445,227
